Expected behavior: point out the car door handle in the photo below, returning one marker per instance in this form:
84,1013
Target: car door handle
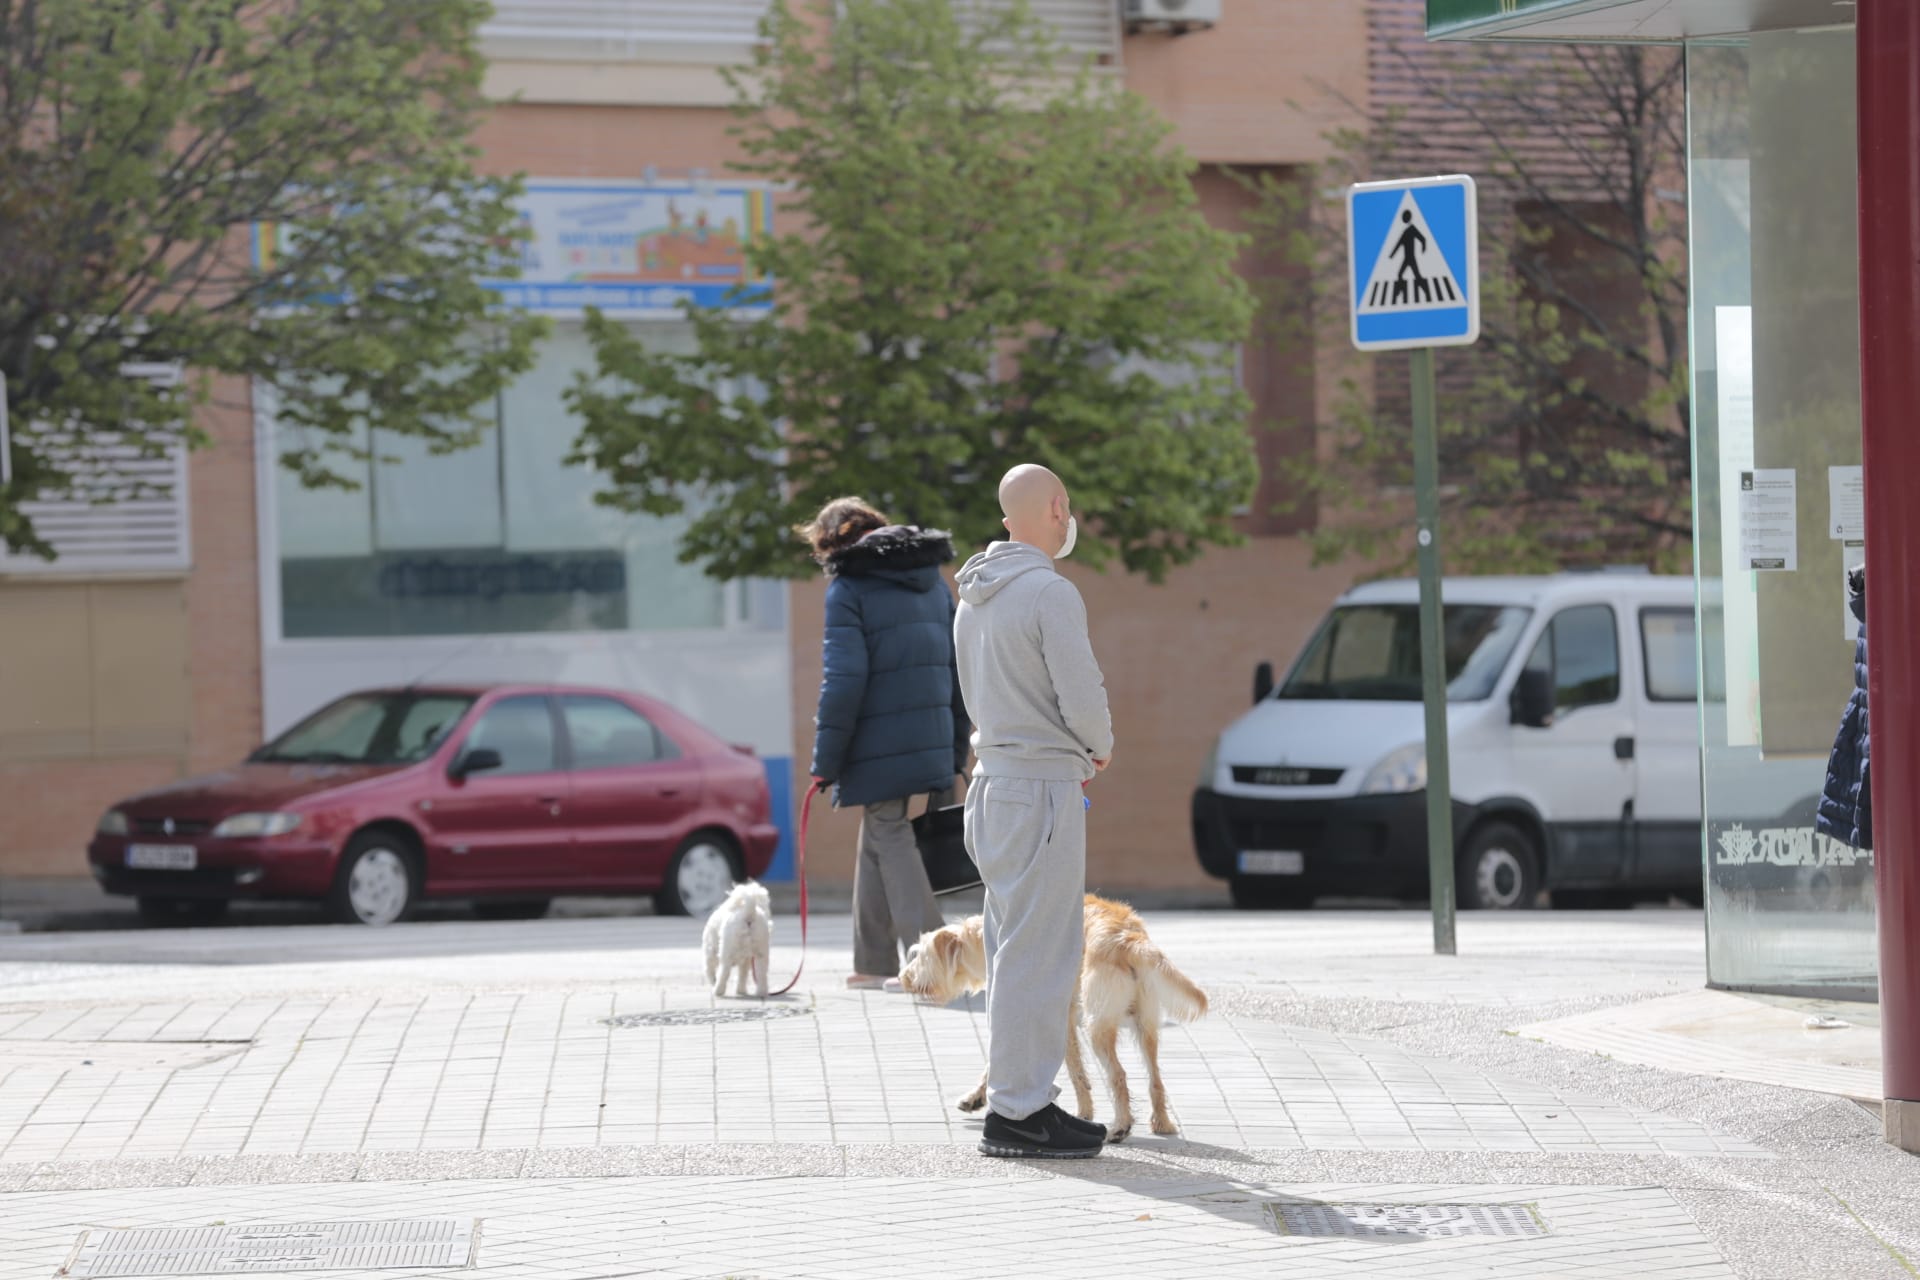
668,792
552,804
1623,748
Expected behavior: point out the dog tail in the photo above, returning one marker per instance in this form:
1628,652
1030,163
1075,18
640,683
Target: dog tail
1179,998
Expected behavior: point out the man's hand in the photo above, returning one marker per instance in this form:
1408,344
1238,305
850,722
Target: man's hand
820,783
1100,766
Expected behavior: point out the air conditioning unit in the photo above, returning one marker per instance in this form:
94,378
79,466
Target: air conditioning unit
1177,16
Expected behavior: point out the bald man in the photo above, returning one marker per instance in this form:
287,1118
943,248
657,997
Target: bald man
1039,707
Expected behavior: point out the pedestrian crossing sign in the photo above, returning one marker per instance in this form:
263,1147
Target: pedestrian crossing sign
1413,253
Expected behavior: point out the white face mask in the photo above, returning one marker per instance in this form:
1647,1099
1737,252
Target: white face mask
1073,535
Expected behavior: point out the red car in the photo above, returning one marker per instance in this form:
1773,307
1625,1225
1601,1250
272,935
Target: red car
503,794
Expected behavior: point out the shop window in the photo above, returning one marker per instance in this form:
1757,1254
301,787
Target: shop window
521,730
1582,650
503,537
1667,648
606,734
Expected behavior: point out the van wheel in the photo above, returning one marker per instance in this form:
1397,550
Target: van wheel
1498,869
1262,893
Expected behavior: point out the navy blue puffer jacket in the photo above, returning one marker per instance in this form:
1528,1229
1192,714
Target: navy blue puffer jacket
1846,808
891,723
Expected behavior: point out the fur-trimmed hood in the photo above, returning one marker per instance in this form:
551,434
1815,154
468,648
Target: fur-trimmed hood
900,553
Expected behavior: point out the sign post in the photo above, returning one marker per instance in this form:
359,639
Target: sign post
1413,256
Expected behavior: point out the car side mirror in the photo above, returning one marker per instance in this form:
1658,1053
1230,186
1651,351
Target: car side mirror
1533,704
478,760
1262,682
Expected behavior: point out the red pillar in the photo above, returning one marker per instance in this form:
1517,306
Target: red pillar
1888,41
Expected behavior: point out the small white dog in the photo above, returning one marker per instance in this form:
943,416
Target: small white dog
739,937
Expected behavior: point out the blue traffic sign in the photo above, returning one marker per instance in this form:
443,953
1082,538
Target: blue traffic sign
1413,254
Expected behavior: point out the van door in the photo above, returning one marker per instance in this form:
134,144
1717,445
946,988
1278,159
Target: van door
1666,804
1580,765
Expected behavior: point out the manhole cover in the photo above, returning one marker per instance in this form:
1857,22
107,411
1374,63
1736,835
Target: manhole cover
1410,1221
260,1247
706,1017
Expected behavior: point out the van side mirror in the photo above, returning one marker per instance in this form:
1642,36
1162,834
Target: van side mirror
478,760
1533,703
1262,682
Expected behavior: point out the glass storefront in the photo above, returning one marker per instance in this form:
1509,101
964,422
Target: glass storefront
501,538
1776,439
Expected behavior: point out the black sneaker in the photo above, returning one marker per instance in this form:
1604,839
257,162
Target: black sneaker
1085,1126
1047,1134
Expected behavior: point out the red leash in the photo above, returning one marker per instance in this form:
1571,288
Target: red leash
800,860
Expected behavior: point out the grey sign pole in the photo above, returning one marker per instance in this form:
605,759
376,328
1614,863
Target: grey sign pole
1433,649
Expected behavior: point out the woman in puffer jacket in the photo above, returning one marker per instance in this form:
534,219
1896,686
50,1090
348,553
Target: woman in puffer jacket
891,724
1846,807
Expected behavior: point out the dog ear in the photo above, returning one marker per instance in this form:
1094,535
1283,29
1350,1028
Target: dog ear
946,945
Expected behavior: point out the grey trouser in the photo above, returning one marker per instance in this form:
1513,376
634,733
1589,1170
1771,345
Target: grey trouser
1029,839
892,902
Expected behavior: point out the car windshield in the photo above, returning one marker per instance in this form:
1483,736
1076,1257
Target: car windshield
369,728
1371,653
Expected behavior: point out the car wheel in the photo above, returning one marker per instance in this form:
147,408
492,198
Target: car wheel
1498,869
377,883
1261,893
183,913
521,909
699,878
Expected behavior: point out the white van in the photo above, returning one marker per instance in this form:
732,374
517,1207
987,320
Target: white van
1574,737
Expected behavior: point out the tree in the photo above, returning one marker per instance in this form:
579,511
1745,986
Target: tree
999,259
141,141
1564,430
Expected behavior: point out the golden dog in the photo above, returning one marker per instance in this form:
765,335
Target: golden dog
1124,978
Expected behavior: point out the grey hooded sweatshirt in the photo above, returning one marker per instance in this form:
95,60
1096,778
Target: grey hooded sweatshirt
1027,671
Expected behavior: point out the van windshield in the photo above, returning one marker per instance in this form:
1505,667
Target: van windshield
1371,653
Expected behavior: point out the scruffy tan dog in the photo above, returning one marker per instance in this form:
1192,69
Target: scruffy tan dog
1124,978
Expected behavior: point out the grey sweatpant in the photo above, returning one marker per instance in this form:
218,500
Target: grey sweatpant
892,902
1029,838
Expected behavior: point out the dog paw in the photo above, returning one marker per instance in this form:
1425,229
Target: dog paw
972,1102
1165,1128
1116,1133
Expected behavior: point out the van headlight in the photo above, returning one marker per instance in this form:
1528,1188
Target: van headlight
113,823
1402,771
256,824
1210,765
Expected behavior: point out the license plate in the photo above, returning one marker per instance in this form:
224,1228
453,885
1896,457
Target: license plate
163,857
1272,862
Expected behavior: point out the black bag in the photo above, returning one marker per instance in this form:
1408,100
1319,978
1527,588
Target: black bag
941,833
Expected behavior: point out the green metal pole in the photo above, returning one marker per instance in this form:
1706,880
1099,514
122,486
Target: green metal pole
1433,669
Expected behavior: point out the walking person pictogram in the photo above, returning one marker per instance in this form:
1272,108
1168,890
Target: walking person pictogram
1410,244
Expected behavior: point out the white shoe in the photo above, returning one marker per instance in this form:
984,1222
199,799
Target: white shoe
866,982
892,986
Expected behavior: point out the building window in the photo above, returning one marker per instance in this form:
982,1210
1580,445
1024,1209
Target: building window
126,508
500,538
607,30
1084,28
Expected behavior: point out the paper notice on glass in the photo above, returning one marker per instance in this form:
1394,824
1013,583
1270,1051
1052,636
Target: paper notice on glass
1769,520
1852,556
1846,504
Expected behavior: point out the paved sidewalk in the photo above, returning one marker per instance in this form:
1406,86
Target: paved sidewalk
467,1071
891,1227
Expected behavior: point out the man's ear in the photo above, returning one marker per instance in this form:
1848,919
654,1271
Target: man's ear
1006,524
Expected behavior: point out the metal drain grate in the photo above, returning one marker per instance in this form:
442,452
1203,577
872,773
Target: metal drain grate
1410,1222
263,1247
706,1017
